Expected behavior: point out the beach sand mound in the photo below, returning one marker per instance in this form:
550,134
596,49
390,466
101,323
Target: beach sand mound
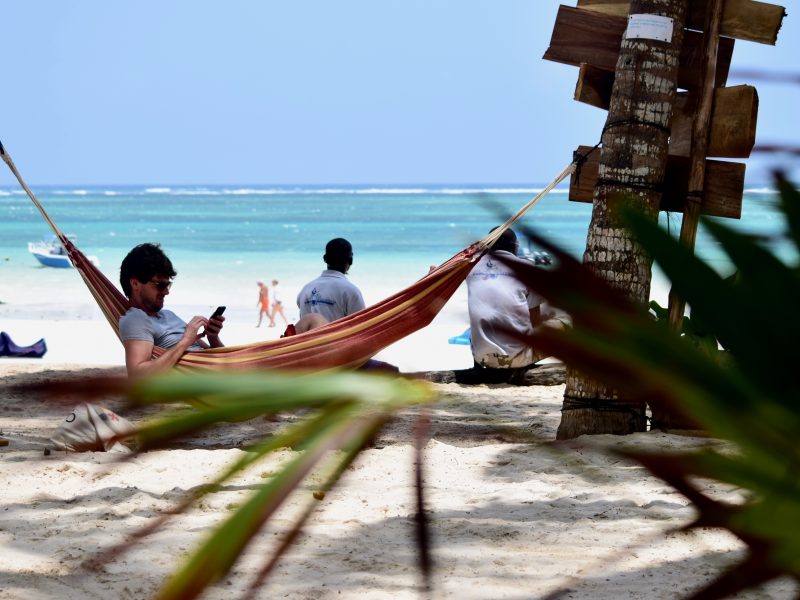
513,514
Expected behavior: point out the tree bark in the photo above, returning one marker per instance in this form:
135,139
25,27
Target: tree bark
632,164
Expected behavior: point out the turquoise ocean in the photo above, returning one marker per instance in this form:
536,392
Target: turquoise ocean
224,238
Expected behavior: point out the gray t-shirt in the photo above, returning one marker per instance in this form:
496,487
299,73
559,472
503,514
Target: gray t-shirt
164,330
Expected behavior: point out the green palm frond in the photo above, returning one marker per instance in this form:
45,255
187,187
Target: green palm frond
749,394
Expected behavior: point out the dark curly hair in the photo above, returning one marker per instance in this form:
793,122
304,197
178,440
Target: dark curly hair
144,262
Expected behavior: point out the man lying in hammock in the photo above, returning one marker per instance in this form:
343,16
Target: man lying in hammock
146,276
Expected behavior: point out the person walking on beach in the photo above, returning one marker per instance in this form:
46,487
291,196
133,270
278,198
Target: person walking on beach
332,294
263,304
277,305
146,276
502,309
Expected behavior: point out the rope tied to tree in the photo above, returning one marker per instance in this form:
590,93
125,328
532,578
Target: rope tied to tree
635,121
601,405
579,159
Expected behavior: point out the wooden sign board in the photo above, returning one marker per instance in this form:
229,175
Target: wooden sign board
585,36
722,192
594,86
741,19
732,131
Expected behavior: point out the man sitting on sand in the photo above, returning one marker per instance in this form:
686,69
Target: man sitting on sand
332,294
502,309
146,277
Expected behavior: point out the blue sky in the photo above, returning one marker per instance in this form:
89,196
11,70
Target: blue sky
311,92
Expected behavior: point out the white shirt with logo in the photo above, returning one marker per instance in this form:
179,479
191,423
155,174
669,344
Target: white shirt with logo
331,295
499,303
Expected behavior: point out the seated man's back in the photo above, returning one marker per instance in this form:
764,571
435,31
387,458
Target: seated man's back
501,308
332,294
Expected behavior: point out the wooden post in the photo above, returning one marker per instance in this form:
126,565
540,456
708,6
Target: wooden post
632,163
700,130
662,417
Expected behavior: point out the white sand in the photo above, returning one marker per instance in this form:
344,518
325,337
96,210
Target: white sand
511,517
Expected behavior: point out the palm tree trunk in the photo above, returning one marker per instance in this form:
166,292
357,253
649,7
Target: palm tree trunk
634,155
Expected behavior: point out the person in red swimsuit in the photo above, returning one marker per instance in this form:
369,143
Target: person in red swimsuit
263,304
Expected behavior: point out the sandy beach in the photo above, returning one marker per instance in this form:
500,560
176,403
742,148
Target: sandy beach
514,514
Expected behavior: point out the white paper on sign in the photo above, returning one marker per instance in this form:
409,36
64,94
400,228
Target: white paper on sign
649,27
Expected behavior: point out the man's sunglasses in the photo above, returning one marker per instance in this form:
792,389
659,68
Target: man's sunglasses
161,285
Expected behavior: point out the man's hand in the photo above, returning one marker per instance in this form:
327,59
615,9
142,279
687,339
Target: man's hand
193,331
213,327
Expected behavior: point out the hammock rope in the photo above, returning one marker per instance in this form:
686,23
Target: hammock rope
347,342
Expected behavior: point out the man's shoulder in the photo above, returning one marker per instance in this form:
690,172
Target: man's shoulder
505,255
496,258
333,278
137,315
135,324
307,287
133,314
346,283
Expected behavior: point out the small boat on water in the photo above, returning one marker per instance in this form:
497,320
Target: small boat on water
50,253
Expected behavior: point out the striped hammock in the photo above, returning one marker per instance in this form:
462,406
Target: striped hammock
345,343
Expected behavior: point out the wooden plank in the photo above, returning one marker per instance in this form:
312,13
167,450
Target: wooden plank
741,19
594,86
617,8
581,36
732,126
584,36
752,21
680,138
701,131
722,194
